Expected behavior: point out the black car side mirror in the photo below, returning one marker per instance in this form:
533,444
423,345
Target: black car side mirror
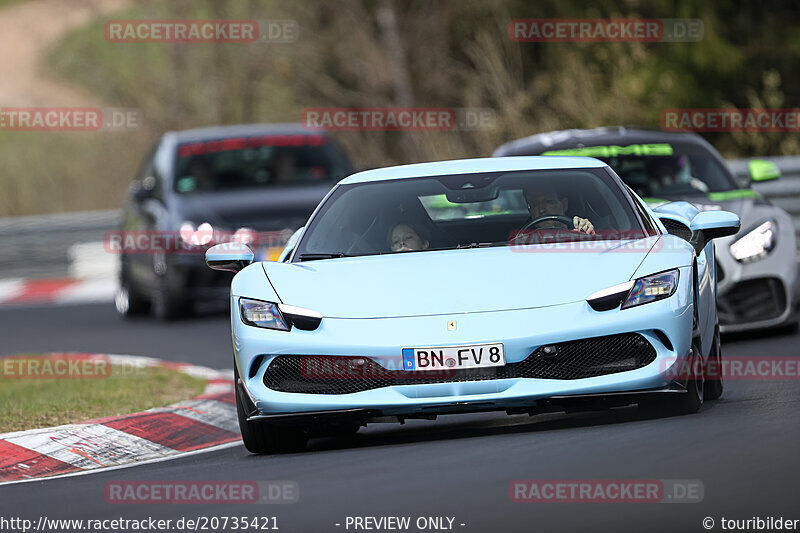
143,190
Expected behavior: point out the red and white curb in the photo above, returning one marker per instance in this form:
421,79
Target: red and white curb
56,291
91,278
206,421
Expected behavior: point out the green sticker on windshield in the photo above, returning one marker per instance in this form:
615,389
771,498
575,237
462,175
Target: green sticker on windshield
440,201
614,151
732,195
186,184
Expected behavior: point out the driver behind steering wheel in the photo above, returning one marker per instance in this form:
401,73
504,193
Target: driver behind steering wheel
543,200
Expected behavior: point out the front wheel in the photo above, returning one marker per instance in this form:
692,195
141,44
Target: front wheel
261,438
684,403
168,300
127,301
713,382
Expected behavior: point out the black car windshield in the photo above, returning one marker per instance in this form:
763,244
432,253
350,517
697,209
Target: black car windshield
662,169
469,211
257,161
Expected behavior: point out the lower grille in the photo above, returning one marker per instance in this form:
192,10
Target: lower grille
584,358
752,300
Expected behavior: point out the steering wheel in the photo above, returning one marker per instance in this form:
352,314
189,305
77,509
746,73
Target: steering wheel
567,221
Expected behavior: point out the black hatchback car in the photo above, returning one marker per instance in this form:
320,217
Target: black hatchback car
252,183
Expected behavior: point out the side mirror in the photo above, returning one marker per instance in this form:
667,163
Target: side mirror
230,256
707,225
144,190
761,170
140,194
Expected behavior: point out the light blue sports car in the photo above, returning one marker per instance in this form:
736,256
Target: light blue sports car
516,284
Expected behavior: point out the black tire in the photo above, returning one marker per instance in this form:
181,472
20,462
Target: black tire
167,304
714,386
128,302
681,403
261,438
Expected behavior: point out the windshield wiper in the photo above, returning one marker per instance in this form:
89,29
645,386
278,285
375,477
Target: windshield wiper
481,245
312,257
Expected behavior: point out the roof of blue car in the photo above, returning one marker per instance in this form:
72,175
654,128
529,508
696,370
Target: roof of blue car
474,166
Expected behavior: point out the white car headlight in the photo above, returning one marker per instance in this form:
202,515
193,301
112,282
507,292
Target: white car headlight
201,236
652,288
187,232
262,314
756,243
244,236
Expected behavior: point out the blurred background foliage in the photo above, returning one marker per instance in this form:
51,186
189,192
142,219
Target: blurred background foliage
425,53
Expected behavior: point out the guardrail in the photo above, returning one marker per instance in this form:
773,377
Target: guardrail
39,246
783,192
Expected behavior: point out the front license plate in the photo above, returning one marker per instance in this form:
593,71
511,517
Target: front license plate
454,357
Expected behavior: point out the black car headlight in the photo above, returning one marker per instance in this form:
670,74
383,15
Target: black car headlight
652,288
637,292
262,314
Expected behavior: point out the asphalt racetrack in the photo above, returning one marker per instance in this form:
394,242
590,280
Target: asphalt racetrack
743,448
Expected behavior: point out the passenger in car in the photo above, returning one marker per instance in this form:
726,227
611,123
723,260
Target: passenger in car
403,237
202,173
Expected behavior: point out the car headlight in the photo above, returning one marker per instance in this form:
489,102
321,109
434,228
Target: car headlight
756,243
201,236
652,288
187,232
244,236
262,314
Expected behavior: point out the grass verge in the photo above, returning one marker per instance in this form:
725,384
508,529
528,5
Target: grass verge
37,400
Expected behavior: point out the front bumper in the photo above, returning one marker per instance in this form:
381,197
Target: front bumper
666,325
757,295
568,403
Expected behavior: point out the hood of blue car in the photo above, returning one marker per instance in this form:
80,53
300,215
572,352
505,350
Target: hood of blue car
455,281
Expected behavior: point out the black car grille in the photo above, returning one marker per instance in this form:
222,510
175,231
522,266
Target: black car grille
677,229
584,358
751,300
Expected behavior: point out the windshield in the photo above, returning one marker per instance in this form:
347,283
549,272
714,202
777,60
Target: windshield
664,169
469,210
258,161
